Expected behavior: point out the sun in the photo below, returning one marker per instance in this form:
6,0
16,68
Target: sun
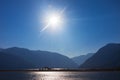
53,20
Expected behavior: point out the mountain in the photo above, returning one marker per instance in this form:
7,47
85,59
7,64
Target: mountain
9,61
106,57
82,58
38,59
1,49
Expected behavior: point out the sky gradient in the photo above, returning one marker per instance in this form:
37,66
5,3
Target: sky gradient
88,25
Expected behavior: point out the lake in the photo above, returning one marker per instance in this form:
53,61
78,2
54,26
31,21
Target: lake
62,75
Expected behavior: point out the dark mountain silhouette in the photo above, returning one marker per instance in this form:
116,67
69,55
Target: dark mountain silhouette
1,49
38,59
82,58
10,61
106,57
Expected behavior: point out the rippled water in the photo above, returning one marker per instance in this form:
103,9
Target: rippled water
59,75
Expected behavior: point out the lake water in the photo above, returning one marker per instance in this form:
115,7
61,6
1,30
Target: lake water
59,75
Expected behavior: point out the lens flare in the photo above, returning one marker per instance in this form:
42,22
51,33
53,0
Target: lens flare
53,20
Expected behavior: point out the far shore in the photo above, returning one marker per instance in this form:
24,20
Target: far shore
59,69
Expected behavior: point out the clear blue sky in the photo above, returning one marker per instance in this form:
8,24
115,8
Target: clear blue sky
88,25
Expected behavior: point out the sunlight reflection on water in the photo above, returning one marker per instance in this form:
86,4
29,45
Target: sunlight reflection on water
58,75
76,76
53,76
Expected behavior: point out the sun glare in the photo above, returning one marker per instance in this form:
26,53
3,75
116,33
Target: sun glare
53,20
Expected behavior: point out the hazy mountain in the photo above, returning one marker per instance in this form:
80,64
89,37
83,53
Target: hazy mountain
82,58
106,57
10,61
39,58
1,49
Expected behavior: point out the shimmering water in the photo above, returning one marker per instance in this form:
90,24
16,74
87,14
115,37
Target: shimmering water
59,75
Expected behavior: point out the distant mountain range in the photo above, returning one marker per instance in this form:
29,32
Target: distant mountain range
82,58
10,61
13,58
106,57
21,58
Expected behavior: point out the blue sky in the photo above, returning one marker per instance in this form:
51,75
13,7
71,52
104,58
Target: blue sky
88,25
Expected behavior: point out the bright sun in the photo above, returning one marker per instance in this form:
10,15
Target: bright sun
53,20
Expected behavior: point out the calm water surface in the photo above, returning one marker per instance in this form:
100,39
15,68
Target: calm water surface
59,75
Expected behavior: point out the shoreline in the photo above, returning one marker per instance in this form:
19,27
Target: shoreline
65,70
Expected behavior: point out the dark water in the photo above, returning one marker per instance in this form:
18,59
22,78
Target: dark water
59,75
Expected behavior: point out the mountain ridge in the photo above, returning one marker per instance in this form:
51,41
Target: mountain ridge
106,57
40,59
82,58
